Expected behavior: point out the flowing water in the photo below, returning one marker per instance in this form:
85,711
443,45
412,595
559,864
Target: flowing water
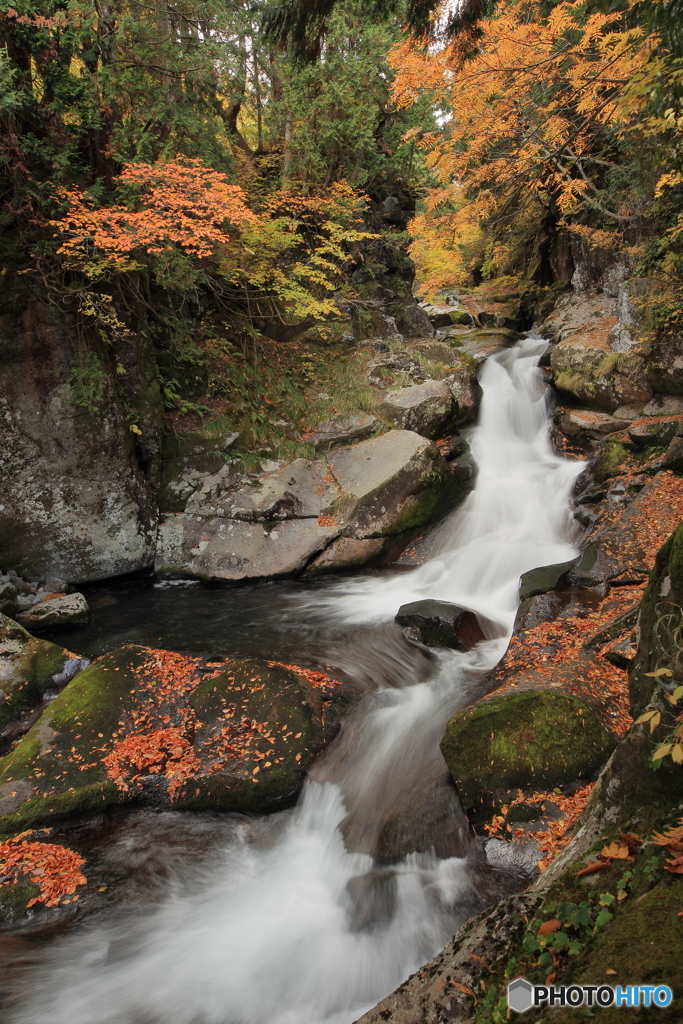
317,918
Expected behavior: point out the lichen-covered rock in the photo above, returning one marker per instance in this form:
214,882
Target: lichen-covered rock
354,426
389,484
213,547
141,724
580,424
194,461
73,496
532,739
29,668
378,487
56,610
424,408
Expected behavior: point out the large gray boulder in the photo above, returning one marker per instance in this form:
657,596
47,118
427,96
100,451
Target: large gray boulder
425,408
73,498
279,525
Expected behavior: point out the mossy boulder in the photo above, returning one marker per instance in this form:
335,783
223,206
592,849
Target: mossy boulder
534,739
28,669
154,726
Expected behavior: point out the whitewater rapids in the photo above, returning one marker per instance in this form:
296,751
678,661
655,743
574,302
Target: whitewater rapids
270,933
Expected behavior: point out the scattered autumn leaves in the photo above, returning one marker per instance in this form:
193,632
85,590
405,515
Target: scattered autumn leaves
55,869
554,835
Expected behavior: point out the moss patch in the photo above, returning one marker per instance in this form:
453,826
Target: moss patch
536,738
28,665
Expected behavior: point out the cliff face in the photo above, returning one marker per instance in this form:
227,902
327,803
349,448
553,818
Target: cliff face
73,498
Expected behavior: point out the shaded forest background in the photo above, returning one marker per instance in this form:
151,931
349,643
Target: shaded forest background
206,180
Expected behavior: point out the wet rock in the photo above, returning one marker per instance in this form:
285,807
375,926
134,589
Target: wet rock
534,739
466,391
153,726
424,408
355,426
56,610
543,579
440,624
658,433
438,993
8,599
29,668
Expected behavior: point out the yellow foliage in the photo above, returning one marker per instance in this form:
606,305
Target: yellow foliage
527,115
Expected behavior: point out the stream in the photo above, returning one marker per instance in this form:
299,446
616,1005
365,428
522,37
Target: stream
313,915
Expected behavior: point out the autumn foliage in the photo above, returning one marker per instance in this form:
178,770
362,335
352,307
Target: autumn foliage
530,120
178,203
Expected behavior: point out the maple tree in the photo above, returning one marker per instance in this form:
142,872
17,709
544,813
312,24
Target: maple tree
531,123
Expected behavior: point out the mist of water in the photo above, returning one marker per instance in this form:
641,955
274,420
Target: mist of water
321,923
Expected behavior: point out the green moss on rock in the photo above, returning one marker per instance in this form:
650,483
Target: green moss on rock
535,738
27,668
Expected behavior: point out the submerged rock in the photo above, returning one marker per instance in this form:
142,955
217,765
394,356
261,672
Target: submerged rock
147,725
56,610
534,739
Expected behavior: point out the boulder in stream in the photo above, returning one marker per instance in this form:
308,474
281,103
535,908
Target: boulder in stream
536,739
440,624
56,610
149,725
277,526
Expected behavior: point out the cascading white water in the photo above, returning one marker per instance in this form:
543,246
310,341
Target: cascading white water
271,935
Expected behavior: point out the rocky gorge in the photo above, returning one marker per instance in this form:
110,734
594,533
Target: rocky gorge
548,756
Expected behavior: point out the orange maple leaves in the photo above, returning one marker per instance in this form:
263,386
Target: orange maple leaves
178,203
55,869
164,752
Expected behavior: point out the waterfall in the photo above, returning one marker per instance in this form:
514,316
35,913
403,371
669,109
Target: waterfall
318,923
